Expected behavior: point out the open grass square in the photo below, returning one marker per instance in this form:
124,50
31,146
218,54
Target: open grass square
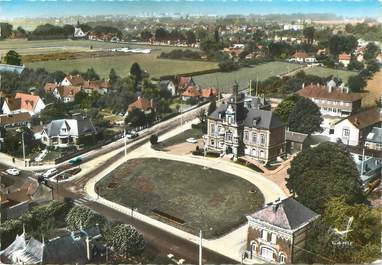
186,196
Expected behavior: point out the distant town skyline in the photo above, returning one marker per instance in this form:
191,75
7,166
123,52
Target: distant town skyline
10,9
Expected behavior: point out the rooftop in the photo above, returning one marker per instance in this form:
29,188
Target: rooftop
324,92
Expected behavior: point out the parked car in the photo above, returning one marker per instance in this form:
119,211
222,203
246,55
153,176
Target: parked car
50,172
131,135
13,171
191,140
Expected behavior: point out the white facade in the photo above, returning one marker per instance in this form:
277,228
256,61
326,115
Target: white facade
346,132
78,33
66,82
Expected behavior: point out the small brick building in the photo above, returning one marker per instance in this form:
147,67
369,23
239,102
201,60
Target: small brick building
277,232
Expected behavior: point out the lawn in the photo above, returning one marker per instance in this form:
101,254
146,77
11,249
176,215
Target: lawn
197,197
325,72
244,75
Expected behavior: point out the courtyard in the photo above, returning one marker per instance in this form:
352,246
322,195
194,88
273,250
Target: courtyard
183,195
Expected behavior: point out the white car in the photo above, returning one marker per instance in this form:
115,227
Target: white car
50,172
131,135
191,140
13,171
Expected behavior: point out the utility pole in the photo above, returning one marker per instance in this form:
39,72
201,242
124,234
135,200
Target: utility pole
125,141
22,139
200,247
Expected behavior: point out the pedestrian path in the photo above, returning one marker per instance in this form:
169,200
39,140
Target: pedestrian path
82,201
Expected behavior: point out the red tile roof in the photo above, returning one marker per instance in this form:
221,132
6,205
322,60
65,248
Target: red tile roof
68,91
27,101
97,84
300,55
366,118
185,81
141,103
344,56
209,92
191,91
322,92
49,87
75,80
15,118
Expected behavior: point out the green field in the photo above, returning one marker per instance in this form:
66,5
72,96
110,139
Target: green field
325,72
121,63
207,198
244,75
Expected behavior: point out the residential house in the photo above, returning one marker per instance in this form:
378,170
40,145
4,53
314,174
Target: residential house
102,87
296,142
257,102
332,100
72,80
66,93
374,139
344,58
191,92
22,119
142,104
23,103
277,233
78,33
235,129
67,132
184,82
77,247
303,57
209,93
50,87
12,68
169,85
354,129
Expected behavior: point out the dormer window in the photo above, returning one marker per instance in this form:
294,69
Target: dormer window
63,129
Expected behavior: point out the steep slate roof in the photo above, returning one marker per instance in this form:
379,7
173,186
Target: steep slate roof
76,127
287,214
365,118
265,119
295,136
322,92
15,118
375,135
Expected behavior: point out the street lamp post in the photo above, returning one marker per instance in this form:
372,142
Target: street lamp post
23,143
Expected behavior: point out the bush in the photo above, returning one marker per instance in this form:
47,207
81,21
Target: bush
154,139
181,54
228,66
81,217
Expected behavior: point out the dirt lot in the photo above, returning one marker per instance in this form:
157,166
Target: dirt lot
374,86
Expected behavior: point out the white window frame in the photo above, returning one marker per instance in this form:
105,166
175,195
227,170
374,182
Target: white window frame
264,235
273,238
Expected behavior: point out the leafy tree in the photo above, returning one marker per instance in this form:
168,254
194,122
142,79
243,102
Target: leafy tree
146,35
309,34
12,58
362,244
81,217
161,34
355,65
211,107
6,30
373,66
320,173
127,241
154,139
371,51
136,72
136,118
20,33
113,77
68,30
90,74
285,108
216,35
342,43
190,37
305,117
53,112
356,83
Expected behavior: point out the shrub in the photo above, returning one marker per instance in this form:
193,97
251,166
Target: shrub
154,139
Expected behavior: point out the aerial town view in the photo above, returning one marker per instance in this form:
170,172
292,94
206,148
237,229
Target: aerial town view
190,132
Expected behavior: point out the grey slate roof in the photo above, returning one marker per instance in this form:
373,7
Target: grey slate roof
288,214
265,119
375,135
77,127
295,136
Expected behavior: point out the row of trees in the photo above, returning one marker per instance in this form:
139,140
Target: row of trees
163,35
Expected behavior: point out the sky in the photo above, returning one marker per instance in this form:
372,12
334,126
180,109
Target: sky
57,8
